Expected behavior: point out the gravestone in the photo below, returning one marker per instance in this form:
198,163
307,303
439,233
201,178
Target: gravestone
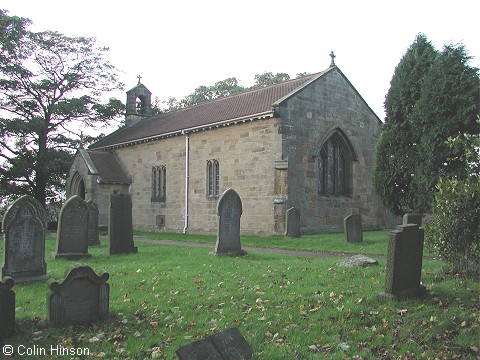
7,308
411,218
81,298
358,260
293,222
72,233
226,345
24,226
120,227
229,211
93,238
404,263
391,220
352,226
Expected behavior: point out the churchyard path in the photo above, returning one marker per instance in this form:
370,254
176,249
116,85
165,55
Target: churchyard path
315,254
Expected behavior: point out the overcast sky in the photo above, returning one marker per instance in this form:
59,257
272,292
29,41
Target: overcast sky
178,45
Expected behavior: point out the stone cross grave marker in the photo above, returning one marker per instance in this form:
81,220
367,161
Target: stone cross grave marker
93,238
229,211
352,226
24,226
120,226
226,345
292,222
411,218
404,263
7,308
81,298
72,233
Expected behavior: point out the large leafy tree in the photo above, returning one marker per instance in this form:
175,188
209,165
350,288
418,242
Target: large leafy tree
397,146
50,90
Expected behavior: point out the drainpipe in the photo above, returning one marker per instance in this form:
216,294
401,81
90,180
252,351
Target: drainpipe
187,156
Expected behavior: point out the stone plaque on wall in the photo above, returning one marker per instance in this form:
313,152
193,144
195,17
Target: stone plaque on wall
120,226
72,233
82,297
404,263
229,211
24,226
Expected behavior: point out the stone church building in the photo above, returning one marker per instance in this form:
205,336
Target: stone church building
307,143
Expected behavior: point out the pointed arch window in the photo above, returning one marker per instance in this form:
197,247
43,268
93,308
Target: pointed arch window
159,183
335,167
213,177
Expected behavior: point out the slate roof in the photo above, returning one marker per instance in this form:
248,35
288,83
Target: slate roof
251,104
107,166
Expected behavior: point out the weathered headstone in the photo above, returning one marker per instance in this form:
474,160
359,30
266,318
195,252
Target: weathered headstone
352,226
226,345
412,218
229,211
7,308
120,226
24,226
293,223
93,238
81,298
72,233
404,263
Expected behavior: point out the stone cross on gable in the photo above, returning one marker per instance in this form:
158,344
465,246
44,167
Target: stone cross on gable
139,79
332,55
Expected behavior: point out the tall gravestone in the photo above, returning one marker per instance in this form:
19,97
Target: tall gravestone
293,222
24,226
81,298
352,226
72,233
120,225
404,263
229,211
93,238
7,308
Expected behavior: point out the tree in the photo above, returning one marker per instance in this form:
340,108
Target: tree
397,146
50,88
455,235
220,89
448,106
432,97
268,78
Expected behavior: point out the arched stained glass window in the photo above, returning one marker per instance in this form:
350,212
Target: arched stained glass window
334,167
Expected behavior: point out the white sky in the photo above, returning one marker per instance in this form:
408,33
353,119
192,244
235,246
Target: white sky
177,45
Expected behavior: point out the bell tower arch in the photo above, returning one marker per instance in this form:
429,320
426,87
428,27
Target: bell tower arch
139,103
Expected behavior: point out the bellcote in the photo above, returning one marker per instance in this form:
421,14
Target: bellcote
139,104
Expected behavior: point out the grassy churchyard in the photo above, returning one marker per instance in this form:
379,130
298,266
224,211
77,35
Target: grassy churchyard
286,307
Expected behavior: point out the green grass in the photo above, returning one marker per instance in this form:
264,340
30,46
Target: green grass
287,307
374,242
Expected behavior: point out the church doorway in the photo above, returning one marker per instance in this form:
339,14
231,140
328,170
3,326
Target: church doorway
78,186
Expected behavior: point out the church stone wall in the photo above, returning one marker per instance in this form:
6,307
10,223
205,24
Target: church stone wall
246,154
329,103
